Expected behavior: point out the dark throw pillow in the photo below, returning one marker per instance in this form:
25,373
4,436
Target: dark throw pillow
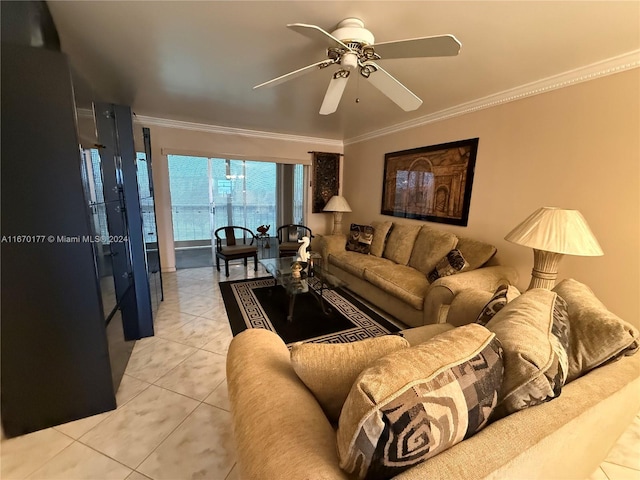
452,263
503,295
360,238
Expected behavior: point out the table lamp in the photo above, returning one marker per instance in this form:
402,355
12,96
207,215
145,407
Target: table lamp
337,204
553,232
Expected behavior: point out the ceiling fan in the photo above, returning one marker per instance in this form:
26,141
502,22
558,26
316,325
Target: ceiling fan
352,47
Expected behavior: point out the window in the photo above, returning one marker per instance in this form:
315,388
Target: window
209,193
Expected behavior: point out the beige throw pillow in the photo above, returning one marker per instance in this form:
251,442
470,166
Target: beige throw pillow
412,404
597,335
380,234
400,243
329,369
534,332
431,246
476,252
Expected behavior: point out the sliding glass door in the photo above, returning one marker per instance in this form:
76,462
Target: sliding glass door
190,186
209,193
244,193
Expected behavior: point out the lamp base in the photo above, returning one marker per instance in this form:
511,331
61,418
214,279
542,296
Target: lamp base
545,269
337,223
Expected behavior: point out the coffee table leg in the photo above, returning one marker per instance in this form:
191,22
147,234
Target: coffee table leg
292,302
320,298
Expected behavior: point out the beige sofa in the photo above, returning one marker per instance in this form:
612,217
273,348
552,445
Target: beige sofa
393,276
281,430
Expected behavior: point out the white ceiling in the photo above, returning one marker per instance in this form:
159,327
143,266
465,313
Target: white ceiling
198,61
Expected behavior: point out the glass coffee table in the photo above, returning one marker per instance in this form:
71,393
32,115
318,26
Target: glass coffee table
314,280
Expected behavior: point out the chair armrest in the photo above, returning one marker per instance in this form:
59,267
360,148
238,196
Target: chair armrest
331,244
279,427
442,292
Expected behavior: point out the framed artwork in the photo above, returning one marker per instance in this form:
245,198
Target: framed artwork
430,183
326,181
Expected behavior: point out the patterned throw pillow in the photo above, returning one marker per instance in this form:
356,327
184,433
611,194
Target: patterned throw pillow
360,238
329,369
412,404
503,295
534,332
452,263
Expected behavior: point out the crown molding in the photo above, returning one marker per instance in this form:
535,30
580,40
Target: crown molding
596,70
203,127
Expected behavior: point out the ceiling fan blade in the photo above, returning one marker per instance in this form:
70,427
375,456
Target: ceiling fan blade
318,34
439,46
391,87
334,92
296,73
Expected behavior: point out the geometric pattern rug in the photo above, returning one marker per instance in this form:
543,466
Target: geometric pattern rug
259,303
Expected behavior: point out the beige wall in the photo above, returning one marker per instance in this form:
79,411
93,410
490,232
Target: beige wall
166,141
577,147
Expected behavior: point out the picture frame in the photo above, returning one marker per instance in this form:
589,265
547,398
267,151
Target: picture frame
430,183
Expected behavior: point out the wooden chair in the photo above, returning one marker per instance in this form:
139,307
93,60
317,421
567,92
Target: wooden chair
288,236
233,249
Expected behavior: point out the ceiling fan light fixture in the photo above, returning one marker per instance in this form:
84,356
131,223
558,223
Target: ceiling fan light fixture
349,61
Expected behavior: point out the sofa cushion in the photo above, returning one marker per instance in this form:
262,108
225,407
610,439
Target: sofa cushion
503,295
452,263
356,263
360,237
477,253
534,332
405,283
597,335
400,243
329,370
418,335
381,232
415,403
430,247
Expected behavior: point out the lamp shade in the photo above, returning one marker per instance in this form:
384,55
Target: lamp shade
337,203
556,230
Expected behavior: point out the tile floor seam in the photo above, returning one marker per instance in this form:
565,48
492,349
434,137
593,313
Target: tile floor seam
170,433
104,455
230,471
179,343
185,395
613,462
26,477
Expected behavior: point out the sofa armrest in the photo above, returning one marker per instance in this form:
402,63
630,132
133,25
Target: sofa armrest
279,427
441,293
331,244
466,306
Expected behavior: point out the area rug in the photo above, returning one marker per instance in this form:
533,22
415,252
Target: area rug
259,303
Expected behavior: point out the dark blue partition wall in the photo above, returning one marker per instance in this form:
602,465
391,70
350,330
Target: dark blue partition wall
54,355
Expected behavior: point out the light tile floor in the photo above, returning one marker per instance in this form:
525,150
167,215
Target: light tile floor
172,420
